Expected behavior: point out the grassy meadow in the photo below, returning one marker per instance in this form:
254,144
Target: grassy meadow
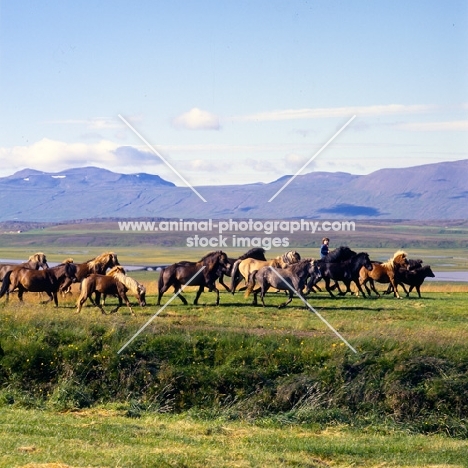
235,385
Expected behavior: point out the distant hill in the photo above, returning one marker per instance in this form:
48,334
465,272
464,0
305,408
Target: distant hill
431,191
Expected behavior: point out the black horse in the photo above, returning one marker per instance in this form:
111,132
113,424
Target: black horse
180,273
258,253
339,254
346,271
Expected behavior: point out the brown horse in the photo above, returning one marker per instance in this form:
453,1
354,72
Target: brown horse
98,265
249,265
102,284
48,280
180,273
383,273
118,272
36,261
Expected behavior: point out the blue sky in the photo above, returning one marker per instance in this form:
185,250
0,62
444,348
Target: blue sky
232,92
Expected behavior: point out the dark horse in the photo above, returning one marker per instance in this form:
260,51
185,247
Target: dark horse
346,271
339,254
180,273
291,279
48,280
257,253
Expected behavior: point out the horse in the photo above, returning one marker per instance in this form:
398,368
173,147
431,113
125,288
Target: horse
339,254
102,284
98,265
413,264
48,280
346,271
118,272
291,278
180,273
383,273
35,261
413,278
257,252
248,265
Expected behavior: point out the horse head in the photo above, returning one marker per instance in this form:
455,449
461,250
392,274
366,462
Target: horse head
40,259
366,262
70,271
400,259
141,295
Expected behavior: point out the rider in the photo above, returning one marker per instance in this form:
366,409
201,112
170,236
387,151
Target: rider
324,248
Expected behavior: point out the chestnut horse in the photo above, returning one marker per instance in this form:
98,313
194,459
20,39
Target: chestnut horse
98,265
102,284
383,273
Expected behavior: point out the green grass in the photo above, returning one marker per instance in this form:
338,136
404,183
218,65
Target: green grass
105,437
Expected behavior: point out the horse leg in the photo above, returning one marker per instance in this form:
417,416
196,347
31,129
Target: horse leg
221,282
200,290
80,302
217,296
284,304
255,295
372,283
395,290
356,282
327,287
263,290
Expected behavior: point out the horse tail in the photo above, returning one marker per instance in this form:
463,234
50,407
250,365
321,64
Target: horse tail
235,276
5,283
251,283
161,279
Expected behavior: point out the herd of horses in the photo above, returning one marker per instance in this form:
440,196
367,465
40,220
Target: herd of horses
103,276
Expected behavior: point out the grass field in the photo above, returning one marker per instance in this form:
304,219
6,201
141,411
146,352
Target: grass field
236,385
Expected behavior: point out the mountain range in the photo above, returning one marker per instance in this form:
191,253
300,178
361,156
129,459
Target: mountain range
432,191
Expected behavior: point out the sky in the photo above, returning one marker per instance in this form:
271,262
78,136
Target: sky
232,92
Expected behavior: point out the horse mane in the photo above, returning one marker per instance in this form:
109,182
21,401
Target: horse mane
102,260
68,260
210,255
254,253
118,272
116,269
336,254
37,257
294,267
390,263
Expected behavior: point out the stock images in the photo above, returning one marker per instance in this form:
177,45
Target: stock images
234,234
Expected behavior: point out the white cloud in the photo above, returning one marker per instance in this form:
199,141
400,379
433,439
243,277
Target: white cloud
296,161
320,113
197,119
54,156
